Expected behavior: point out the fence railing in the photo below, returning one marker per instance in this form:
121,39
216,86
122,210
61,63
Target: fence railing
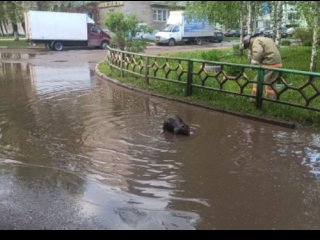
291,87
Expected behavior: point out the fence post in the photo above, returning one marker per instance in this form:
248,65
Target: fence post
189,80
146,70
260,88
121,65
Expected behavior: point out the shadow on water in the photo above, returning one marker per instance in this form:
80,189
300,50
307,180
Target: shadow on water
78,152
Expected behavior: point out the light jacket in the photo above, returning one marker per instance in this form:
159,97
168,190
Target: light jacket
265,52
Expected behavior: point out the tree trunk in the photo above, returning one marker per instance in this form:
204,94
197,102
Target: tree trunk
254,13
278,23
1,29
249,25
313,61
23,24
274,15
5,27
241,31
15,31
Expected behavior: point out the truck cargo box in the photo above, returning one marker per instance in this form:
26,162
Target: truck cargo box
42,25
180,28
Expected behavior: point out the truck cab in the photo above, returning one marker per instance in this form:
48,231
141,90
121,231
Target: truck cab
169,35
97,37
181,28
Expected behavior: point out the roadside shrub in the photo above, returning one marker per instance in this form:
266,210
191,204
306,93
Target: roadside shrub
304,35
124,28
307,44
136,46
210,56
286,42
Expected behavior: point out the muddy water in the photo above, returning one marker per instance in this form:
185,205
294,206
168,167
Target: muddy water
79,153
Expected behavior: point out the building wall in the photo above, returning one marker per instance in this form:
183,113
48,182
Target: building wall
291,16
90,9
111,6
144,12
142,9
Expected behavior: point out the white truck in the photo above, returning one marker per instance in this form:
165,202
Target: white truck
179,28
59,29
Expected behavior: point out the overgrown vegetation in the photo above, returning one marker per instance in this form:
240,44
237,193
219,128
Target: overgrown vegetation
297,57
124,28
304,35
294,58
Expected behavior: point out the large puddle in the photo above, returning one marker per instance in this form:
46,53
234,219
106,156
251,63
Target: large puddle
77,152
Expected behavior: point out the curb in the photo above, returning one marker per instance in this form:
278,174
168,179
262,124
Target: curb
285,124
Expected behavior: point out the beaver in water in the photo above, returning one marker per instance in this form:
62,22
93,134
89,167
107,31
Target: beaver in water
176,125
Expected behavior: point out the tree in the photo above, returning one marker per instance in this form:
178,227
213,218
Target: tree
13,11
314,53
277,14
228,13
124,27
2,17
225,12
310,10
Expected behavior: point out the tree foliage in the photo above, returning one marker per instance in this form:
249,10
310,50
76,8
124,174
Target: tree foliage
226,13
123,26
12,12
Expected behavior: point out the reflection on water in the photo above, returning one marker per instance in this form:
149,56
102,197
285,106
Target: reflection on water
47,80
311,157
77,152
16,56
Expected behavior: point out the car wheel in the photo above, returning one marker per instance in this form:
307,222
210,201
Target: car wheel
58,46
51,46
104,45
199,41
172,42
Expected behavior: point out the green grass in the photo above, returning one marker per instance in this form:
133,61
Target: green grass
296,57
293,58
231,39
9,42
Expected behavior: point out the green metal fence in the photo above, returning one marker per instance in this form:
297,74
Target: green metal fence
294,88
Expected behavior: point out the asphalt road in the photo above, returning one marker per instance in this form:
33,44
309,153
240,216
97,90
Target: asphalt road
152,49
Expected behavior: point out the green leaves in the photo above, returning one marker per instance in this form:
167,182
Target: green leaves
124,27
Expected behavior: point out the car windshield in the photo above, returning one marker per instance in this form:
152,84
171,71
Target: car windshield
168,28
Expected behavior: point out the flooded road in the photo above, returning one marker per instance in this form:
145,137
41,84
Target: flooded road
77,152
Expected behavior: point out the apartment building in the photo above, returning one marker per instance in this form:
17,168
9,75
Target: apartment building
153,13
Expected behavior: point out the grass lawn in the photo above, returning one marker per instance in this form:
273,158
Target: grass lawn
296,57
9,42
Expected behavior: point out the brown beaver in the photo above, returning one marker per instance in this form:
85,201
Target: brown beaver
176,125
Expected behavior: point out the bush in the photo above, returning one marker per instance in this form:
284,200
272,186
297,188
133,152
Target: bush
307,44
210,56
286,43
136,46
124,28
304,35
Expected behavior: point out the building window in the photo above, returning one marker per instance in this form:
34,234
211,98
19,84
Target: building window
160,15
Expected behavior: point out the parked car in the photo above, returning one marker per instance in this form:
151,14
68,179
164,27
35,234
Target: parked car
218,36
290,31
146,35
269,32
232,33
